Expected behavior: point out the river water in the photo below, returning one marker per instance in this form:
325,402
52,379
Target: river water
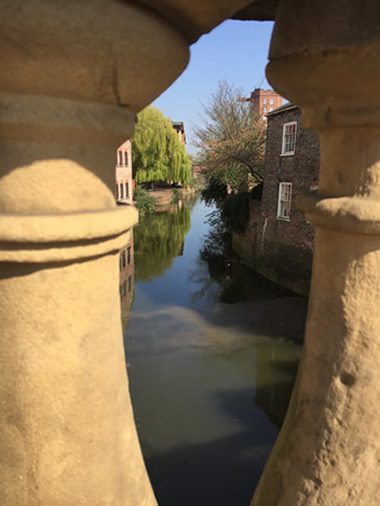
212,352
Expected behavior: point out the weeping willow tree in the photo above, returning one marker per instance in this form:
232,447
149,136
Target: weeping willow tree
158,154
179,161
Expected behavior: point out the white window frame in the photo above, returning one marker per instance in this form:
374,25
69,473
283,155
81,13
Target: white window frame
286,149
284,202
271,101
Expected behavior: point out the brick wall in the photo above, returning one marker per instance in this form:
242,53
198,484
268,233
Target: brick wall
263,101
282,249
123,173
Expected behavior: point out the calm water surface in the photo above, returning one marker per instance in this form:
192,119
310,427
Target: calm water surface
211,363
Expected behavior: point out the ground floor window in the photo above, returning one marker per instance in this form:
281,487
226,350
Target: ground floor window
284,201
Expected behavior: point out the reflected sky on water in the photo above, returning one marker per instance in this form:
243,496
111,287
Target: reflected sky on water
210,380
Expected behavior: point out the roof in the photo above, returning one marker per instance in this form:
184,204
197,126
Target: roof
285,107
180,125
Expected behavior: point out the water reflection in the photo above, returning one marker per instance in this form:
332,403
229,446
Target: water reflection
160,239
209,380
127,276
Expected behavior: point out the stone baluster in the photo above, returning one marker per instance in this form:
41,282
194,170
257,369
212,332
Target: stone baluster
73,75
325,57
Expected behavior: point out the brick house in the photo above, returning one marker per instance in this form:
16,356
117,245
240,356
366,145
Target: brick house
123,173
280,239
265,101
179,127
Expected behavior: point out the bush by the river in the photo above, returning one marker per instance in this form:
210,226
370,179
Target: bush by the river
145,202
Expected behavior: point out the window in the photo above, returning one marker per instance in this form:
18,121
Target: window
289,138
126,158
123,259
265,109
271,101
265,100
270,109
121,187
129,283
284,201
126,190
129,255
120,155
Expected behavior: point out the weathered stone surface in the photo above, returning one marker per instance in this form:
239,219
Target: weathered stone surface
328,450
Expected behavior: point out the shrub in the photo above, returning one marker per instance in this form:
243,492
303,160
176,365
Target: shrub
145,203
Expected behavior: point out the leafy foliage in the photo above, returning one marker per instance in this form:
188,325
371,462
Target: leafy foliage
175,196
145,203
235,212
158,154
215,191
232,138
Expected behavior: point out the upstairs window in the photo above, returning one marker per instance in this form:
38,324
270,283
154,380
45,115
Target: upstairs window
120,158
289,138
271,101
284,201
126,158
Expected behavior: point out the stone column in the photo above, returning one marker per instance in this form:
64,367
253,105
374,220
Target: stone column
325,57
73,75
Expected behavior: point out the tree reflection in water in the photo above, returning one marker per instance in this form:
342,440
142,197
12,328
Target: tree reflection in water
227,278
159,241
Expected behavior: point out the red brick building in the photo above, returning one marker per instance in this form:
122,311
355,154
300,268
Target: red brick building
265,101
280,239
123,173
179,127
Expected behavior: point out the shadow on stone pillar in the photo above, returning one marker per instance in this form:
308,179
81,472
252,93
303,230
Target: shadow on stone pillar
70,86
325,58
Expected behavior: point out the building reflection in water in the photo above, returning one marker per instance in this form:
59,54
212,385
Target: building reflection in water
276,368
127,281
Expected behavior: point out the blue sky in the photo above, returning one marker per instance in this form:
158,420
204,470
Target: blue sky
236,51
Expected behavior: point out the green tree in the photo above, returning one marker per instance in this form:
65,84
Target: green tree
231,140
158,154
